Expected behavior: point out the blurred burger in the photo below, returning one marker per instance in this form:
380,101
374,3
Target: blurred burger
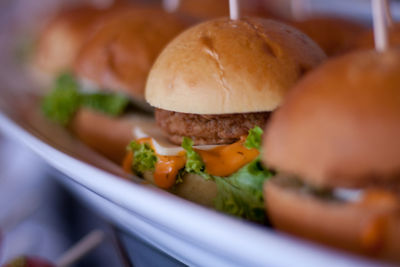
213,87
110,71
335,144
366,40
334,35
62,37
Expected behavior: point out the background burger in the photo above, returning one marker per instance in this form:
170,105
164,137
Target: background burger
62,37
97,100
333,34
213,87
335,144
366,40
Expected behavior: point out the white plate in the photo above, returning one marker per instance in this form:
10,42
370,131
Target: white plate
189,232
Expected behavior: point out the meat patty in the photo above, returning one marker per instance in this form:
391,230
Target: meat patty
208,129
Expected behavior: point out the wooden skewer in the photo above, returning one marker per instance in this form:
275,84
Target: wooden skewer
388,13
86,244
380,29
234,12
171,6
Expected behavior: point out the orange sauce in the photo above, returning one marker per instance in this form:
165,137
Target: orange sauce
219,161
225,160
374,233
380,198
167,168
127,162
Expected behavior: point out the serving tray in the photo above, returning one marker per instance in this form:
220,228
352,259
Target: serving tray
188,232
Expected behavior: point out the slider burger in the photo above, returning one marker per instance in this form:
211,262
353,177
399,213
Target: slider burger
335,144
213,87
59,42
96,101
334,35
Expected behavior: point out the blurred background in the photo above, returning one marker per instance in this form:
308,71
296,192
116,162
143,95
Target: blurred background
39,217
51,218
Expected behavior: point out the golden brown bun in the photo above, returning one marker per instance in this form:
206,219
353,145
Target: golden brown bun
62,38
223,66
340,125
333,35
369,227
121,52
366,40
194,188
109,136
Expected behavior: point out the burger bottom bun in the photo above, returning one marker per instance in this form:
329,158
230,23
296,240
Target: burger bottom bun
107,135
193,188
371,228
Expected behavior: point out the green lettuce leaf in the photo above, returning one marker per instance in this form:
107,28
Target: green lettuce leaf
144,156
61,104
63,101
253,140
108,103
241,194
194,163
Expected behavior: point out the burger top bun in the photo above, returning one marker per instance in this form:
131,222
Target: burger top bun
366,40
223,66
61,39
340,125
120,53
333,35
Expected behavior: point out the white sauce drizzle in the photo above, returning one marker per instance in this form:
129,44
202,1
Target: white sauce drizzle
161,144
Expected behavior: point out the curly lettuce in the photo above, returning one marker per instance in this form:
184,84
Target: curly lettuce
253,139
194,162
108,103
62,103
144,157
240,194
